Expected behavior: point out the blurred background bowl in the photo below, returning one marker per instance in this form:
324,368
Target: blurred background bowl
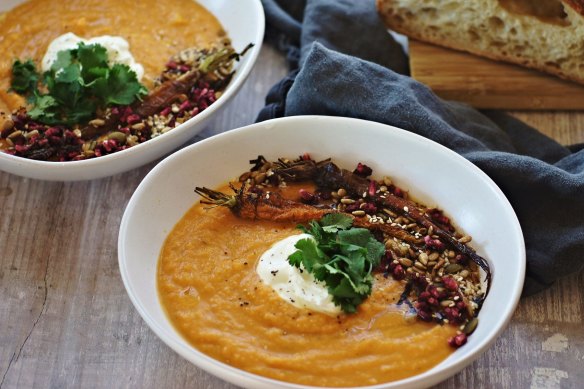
244,22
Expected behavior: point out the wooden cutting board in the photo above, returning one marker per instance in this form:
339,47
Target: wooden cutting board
484,83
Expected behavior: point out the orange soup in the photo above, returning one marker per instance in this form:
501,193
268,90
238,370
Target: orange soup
155,30
211,292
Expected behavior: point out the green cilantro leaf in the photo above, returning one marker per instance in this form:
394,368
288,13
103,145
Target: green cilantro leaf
120,87
93,75
92,57
79,82
355,236
344,295
68,74
84,110
341,256
356,265
375,250
64,59
311,254
335,221
44,109
24,77
315,230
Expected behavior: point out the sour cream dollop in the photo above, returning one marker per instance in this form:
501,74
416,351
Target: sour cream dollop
296,286
118,50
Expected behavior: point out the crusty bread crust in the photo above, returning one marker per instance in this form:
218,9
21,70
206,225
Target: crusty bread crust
485,28
577,5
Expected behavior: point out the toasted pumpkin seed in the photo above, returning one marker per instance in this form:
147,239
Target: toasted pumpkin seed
97,122
453,268
7,125
420,266
15,134
465,239
119,137
32,133
471,326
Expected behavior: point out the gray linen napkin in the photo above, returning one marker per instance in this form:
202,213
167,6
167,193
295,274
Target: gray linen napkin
344,63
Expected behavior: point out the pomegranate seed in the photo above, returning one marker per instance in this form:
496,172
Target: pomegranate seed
369,208
306,196
452,314
420,281
399,273
363,170
458,340
133,118
425,315
450,283
52,131
185,105
434,244
433,291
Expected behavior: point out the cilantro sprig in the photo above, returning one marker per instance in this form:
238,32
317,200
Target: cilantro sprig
341,256
79,82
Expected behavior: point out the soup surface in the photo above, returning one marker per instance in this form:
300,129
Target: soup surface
213,296
155,30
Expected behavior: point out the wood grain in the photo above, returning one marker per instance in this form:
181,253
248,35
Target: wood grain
66,321
483,83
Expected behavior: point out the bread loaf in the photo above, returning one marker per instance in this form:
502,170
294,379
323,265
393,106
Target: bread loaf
542,34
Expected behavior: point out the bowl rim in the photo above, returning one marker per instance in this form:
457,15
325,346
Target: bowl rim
225,371
167,138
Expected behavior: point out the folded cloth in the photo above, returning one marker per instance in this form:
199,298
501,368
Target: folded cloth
348,65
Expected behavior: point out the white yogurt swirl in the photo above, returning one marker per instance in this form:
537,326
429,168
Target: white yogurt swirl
296,286
118,51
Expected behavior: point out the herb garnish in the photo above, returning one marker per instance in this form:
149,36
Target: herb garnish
341,256
79,82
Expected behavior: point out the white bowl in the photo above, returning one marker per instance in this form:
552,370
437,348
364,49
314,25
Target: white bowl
244,22
434,174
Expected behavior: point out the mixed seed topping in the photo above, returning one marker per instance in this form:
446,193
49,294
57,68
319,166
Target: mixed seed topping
442,284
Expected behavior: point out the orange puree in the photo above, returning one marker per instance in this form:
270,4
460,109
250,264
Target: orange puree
154,29
209,288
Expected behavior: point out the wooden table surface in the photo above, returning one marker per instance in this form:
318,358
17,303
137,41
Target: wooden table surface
66,321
